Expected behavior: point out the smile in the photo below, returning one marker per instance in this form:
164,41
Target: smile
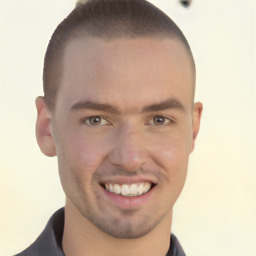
129,190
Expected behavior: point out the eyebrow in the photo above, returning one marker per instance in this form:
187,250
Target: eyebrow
95,106
171,103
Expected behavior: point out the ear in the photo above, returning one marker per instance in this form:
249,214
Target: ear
43,128
197,113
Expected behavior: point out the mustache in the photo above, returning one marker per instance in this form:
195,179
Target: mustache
122,172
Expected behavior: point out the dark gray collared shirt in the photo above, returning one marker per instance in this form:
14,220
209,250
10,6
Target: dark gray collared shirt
49,243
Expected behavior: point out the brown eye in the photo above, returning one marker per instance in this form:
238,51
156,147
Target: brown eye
160,121
96,121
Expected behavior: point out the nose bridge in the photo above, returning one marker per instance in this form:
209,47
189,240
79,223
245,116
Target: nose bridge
129,151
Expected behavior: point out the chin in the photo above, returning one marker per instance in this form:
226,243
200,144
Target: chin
126,232
127,226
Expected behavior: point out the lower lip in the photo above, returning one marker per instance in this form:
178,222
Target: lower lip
128,202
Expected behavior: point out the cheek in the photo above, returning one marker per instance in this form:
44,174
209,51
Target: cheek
172,155
174,161
89,152
172,145
78,159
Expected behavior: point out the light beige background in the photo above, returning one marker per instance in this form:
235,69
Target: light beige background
216,214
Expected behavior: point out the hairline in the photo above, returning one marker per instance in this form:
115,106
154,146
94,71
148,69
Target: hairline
78,34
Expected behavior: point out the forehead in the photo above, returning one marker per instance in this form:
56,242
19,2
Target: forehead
125,72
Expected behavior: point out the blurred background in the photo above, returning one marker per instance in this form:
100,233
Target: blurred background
216,213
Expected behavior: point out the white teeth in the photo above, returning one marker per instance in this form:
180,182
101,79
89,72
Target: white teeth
125,190
147,187
117,189
111,188
135,189
141,188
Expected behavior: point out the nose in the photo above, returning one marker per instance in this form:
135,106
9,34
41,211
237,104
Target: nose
129,151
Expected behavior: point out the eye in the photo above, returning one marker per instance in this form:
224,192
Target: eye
96,121
160,121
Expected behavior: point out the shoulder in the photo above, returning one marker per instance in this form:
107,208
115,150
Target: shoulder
49,241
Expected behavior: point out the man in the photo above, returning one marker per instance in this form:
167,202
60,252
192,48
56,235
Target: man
119,113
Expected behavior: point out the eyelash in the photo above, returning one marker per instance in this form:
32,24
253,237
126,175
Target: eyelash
167,121
87,121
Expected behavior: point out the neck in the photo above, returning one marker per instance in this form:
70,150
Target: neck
81,237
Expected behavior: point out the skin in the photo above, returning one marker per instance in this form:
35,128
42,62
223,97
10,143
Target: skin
137,81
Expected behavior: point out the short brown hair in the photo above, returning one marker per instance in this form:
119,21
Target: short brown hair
106,19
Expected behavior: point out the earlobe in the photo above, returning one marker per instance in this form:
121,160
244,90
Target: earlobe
197,113
43,128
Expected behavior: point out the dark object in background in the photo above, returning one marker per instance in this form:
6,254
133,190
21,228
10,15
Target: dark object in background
185,3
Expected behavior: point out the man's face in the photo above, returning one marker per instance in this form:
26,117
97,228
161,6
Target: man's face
123,130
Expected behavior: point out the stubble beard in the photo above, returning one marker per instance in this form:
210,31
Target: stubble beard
121,227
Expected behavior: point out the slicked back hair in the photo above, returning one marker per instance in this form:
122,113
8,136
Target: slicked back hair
106,19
